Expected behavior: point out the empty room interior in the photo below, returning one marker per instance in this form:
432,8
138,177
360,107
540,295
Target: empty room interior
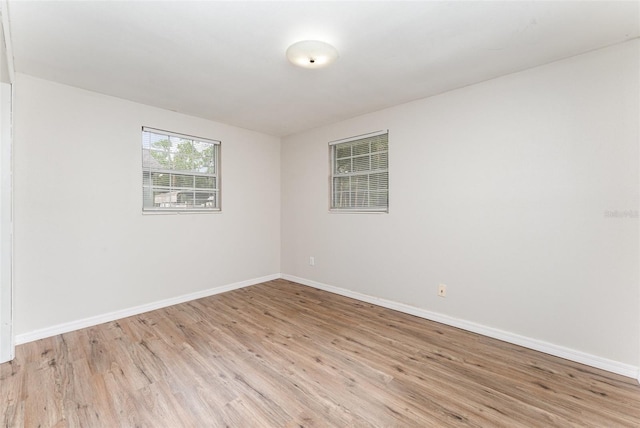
331,214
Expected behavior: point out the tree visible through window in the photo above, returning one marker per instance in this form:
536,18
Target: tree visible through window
360,173
179,172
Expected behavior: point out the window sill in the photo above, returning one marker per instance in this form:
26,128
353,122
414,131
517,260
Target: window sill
167,212
334,211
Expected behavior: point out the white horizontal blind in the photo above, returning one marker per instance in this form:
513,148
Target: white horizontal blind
179,172
360,173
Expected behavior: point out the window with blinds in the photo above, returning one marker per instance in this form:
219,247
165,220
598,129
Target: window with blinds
360,173
180,173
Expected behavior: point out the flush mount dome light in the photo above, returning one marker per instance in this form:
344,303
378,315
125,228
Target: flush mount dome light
311,54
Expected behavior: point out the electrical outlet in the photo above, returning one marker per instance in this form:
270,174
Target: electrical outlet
442,290
312,261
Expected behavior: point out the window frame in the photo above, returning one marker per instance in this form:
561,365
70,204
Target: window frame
333,145
216,190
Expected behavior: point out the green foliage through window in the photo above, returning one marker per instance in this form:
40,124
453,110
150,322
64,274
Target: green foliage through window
180,173
360,174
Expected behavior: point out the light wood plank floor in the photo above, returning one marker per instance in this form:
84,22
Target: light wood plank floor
280,354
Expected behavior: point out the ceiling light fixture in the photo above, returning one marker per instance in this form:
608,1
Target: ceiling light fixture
311,54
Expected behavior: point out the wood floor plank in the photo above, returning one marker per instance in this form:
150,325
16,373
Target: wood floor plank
279,354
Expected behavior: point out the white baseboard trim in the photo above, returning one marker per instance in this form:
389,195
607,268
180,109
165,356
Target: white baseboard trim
123,313
527,342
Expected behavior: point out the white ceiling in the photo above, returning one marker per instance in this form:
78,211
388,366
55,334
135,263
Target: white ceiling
225,61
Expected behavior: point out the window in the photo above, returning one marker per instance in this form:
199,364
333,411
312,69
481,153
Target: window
360,173
179,173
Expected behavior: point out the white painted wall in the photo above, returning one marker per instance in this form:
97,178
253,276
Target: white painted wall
501,191
6,301
7,346
83,247
5,75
